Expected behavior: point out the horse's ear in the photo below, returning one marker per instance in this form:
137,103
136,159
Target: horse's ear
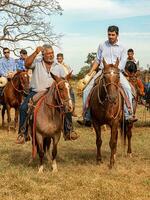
104,63
117,62
56,78
68,77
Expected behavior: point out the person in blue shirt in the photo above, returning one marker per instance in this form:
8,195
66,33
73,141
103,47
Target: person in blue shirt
7,64
21,60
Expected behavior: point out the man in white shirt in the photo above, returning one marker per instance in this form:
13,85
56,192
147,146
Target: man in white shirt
110,50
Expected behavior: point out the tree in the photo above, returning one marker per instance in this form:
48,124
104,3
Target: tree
85,69
90,58
27,21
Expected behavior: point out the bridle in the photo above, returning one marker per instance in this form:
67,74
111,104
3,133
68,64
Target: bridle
105,86
19,91
60,101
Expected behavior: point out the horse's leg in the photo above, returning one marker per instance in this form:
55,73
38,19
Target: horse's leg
8,116
123,136
39,139
3,115
54,152
48,151
129,136
16,118
97,128
113,143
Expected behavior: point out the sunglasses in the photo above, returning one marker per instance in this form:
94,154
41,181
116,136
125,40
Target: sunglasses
6,52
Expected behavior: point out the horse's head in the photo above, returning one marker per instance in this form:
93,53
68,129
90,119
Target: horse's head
111,77
63,91
23,78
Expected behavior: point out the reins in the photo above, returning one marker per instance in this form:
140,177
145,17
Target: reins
107,96
20,91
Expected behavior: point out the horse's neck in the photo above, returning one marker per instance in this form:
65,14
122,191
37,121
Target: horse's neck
16,82
101,90
50,96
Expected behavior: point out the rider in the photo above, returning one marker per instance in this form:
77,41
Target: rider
131,57
110,50
7,64
41,80
21,60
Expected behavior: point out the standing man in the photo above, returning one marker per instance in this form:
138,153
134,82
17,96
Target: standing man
41,80
21,60
7,64
131,57
110,50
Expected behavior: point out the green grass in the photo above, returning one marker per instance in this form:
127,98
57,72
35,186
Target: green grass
78,177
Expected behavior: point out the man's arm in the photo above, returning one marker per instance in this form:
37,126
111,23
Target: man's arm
95,65
97,60
29,60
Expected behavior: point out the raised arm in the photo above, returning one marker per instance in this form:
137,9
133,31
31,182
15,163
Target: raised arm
29,60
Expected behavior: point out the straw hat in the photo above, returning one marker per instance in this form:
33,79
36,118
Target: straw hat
3,81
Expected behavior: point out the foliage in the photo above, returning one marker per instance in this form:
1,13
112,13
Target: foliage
85,69
27,21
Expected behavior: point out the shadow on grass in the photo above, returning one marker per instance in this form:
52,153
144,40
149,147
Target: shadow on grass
69,156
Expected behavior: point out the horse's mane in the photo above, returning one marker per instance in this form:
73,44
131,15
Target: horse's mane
18,73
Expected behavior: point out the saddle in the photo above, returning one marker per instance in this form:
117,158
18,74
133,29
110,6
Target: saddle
31,105
37,97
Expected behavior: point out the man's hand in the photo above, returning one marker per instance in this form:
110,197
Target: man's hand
11,74
39,49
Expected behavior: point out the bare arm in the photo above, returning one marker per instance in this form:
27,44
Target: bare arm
29,60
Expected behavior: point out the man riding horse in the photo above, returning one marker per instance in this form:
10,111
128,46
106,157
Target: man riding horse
110,50
40,82
7,68
7,64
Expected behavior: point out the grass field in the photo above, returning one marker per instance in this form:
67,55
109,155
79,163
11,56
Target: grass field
78,177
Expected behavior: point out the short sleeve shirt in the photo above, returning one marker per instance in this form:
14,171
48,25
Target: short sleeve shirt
41,79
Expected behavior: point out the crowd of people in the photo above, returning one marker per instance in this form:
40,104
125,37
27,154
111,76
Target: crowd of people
41,79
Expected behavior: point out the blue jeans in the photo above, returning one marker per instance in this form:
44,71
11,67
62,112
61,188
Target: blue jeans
23,110
127,89
68,126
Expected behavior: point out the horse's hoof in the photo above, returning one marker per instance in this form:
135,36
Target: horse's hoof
54,171
30,162
129,155
98,162
110,166
40,169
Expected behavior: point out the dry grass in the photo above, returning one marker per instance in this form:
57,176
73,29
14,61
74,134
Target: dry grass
79,177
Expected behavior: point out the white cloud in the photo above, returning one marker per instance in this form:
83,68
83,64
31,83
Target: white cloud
105,9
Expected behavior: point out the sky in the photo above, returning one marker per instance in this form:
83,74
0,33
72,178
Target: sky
84,26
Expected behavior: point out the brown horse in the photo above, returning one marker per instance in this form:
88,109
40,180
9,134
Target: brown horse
13,94
138,91
48,119
106,105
